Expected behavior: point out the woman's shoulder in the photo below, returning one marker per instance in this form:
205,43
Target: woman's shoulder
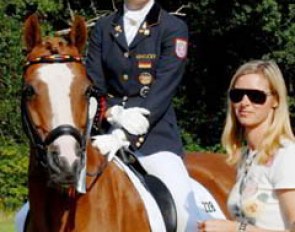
286,152
287,144
282,167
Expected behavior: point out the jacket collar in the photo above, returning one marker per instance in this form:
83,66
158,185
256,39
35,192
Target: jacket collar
152,18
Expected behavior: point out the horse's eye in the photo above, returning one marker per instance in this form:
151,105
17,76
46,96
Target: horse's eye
29,92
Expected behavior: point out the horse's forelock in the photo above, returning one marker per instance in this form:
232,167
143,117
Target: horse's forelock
55,45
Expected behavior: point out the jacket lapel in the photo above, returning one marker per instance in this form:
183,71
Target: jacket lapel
152,19
118,29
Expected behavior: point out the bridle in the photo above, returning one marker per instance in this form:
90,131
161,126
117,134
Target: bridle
56,58
41,145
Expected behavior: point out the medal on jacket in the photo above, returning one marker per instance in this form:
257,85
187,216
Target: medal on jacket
144,30
145,78
144,91
118,30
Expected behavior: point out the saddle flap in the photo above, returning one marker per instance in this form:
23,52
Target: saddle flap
164,199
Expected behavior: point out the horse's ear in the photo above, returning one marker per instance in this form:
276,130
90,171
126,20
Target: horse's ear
78,33
32,32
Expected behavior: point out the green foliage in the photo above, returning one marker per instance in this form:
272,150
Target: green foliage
13,175
10,69
7,222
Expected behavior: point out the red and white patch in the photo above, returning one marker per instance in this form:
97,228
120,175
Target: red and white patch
181,48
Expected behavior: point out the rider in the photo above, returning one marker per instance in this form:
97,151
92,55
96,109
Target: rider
136,58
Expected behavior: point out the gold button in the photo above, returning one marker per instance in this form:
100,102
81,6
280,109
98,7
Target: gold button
141,139
126,54
125,77
138,144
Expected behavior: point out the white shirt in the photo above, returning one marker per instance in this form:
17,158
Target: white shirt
257,201
133,19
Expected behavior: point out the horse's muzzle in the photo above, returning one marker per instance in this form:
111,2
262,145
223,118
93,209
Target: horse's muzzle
61,173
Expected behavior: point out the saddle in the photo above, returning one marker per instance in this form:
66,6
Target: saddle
155,186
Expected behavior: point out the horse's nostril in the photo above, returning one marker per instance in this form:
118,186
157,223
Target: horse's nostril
54,164
55,158
78,150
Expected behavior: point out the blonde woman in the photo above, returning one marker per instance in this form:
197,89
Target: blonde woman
258,138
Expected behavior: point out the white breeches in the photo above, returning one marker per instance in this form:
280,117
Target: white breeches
170,168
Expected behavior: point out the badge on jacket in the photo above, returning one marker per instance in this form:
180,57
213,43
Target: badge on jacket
145,78
144,64
181,48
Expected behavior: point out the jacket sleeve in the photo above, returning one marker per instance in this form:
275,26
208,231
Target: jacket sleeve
95,72
94,60
169,71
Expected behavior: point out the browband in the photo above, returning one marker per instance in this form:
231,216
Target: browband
57,58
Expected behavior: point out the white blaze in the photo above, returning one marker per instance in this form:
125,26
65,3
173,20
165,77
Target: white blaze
58,78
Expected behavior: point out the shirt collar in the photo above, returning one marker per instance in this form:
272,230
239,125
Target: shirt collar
138,15
152,18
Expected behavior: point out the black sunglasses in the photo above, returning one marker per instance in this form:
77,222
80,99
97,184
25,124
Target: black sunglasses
254,95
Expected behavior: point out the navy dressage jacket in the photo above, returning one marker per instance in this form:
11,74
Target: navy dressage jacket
144,74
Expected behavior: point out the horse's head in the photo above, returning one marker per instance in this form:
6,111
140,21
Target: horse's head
55,100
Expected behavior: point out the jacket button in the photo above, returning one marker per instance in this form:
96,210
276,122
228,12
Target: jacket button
138,144
125,77
126,54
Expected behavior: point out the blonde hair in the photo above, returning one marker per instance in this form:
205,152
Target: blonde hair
233,134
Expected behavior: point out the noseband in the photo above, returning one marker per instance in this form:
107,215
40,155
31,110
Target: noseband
30,129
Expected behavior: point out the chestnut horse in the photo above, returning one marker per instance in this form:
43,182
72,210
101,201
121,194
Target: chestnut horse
55,108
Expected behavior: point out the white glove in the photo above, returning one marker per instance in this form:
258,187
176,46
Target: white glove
132,119
109,144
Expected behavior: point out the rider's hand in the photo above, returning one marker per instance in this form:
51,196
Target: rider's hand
109,144
132,119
